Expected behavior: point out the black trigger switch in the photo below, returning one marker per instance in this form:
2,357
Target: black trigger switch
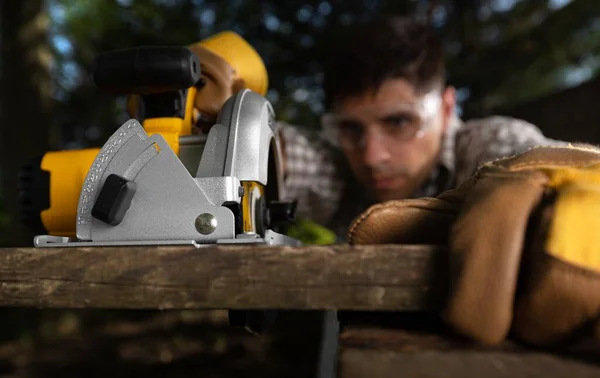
114,200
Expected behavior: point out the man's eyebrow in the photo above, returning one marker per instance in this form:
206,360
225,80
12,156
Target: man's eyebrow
396,112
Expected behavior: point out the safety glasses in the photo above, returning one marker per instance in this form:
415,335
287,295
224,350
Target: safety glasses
393,124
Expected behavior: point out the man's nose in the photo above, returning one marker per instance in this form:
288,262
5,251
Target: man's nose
375,150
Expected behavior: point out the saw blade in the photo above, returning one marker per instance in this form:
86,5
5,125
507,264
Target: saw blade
254,203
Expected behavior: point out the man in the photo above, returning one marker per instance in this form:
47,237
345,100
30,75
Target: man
521,230
392,131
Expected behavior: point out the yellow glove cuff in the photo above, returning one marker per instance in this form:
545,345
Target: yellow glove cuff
574,234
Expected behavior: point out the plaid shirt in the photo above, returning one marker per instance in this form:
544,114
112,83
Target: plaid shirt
318,177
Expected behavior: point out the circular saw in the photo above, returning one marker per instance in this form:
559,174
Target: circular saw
139,192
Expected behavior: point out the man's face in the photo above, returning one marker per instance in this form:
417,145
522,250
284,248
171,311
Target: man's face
392,136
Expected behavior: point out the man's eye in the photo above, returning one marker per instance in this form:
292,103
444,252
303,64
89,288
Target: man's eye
397,121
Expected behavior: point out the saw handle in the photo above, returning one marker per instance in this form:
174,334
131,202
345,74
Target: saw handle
146,70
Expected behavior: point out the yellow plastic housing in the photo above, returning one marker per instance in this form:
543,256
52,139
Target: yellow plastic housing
68,170
242,57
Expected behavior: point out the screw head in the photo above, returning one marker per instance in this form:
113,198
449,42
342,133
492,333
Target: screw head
206,223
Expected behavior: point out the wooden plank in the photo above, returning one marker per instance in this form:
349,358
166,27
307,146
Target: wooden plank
385,352
379,277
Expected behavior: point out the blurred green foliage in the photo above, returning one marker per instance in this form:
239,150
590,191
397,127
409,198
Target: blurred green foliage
309,232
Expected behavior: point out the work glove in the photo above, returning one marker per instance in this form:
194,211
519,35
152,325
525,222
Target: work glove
523,236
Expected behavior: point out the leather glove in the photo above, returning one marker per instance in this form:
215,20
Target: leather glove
524,241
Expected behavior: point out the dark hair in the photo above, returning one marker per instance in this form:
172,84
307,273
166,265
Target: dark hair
388,47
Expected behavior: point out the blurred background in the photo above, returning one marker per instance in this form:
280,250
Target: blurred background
535,59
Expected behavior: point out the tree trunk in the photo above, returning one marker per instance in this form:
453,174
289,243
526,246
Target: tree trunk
25,99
